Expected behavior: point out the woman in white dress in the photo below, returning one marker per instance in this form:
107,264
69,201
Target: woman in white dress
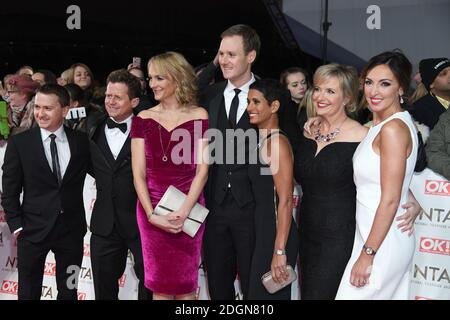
379,267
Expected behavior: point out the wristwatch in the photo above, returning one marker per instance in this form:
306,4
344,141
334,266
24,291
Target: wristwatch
279,252
369,251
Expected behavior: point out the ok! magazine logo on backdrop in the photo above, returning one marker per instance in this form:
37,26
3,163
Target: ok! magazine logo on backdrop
50,269
437,188
435,246
9,287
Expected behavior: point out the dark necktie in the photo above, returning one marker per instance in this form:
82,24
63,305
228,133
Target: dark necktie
112,124
234,107
55,159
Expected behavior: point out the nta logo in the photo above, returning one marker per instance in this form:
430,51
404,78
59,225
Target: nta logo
11,263
431,273
435,215
47,292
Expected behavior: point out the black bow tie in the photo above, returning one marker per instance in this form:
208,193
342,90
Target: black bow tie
112,124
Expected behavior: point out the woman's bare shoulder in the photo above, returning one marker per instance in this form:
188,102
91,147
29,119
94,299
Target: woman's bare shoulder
357,131
198,112
148,114
395,128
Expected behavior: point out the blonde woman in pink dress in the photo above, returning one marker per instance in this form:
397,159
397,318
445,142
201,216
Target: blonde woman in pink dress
171,257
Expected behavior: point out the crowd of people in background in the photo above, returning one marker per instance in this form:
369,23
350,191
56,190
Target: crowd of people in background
352,143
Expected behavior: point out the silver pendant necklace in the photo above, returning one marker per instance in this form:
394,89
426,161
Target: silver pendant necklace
329,136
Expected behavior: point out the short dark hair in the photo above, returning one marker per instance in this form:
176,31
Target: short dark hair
249,36
273,91
270,88
49,77
397,63
76,93
132,82
57,90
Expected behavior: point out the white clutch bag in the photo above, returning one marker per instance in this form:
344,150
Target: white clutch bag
172,200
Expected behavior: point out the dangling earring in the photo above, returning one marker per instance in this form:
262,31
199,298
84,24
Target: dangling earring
401,100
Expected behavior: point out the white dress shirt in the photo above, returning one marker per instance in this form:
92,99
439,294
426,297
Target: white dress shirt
229,93
62,144
116,138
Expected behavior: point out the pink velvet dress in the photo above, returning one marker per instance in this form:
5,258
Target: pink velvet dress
171,261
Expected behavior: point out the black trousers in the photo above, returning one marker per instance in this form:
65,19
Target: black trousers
68,251
109,258
228,247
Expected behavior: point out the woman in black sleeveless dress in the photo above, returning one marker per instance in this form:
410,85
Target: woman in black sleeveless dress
272,183
324,169
327,215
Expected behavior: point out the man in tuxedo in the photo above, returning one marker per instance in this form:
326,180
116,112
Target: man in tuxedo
49,164
229,234
113,223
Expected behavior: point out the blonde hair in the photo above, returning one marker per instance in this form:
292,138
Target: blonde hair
308,104
68,75
348,80
419,92
176,66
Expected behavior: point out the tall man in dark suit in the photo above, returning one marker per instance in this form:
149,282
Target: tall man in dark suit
113,223
49,164
229,234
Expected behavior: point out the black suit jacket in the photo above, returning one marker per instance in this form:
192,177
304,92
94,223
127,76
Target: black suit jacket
26,168
427,110
219,174
116,196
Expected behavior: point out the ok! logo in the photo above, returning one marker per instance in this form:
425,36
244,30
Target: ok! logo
422,298
87,250
122,280
50,269
435,246
437,188
9,287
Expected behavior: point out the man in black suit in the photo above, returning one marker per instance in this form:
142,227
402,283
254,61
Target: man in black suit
113,223
49,164
229,234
